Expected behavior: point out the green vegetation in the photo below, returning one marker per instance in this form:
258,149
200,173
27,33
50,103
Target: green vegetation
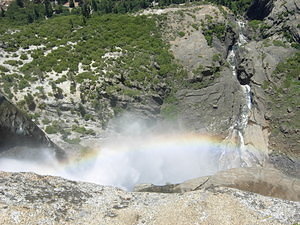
3,69
74,141
52,129
283,102
26,11
29,99
258,26
13,62
255,24
181,33
170,109
211,29
216,57
125,46
82,130
278,43
237,6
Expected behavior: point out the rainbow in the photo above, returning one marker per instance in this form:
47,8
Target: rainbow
130,160
163,141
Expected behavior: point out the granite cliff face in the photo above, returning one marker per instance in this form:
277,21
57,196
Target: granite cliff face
266,61
18,131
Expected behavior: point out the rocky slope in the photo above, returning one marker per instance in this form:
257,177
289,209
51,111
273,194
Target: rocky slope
26,198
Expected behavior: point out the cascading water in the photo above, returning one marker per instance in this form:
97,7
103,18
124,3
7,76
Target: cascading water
238,158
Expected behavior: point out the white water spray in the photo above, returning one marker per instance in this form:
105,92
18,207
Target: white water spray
127,160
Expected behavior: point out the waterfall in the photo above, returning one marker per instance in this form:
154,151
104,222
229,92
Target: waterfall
237,157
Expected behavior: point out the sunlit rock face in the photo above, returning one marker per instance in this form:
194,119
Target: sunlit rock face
16,129
264,181
33,199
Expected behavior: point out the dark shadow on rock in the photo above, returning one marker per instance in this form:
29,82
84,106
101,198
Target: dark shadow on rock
17,130
260,9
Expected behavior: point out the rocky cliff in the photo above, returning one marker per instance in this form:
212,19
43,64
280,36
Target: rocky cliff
269,62
18,131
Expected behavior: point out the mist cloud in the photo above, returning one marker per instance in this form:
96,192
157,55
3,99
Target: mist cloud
136,154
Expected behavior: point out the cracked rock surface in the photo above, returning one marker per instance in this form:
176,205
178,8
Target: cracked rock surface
27,198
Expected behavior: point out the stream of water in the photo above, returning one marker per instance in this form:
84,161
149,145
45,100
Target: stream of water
238,158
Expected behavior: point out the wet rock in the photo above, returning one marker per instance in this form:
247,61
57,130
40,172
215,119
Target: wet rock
213,108
245,71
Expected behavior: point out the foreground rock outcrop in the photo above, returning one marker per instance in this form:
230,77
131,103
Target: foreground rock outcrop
264,181
17,130
27,198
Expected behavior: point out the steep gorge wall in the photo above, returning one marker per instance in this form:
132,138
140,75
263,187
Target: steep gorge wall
268,64
212,98
17,130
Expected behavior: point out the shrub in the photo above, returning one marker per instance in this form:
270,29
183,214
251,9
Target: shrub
181,33
278,43
24,57
74,141
3,69
23,84
52,129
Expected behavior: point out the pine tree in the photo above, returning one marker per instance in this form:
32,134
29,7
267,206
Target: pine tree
71,4
86,10
71,24
36,12
20,3
2,12
94,5
30,18
48,8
